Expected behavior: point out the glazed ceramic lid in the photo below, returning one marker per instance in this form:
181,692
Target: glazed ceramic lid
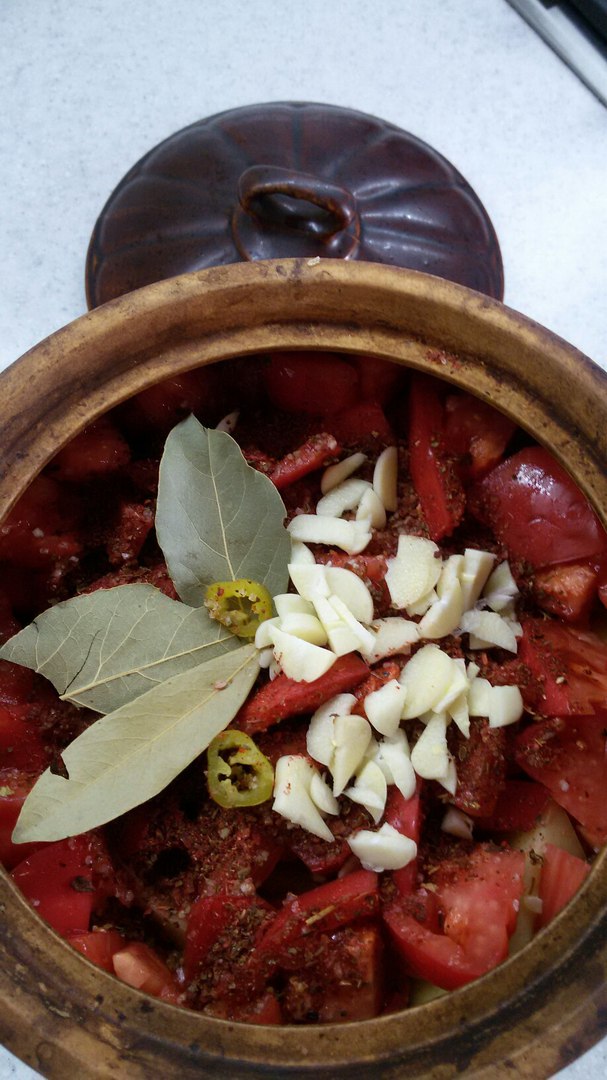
291,179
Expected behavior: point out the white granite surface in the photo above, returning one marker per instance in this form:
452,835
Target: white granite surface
88,86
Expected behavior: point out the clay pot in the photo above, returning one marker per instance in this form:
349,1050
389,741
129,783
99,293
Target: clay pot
537,1011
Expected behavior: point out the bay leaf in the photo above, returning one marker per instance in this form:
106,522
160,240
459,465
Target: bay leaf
125,758
217,519
104,648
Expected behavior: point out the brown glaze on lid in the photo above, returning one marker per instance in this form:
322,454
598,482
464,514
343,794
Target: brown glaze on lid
291,179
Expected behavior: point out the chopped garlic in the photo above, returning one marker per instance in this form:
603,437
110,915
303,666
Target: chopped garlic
487,628
344,497
352,590
385,477
474,573
299,659
392,635
309,579
443,616
263,639
322,796
351,737
370,790
501,588
430,677
336,474
505,706
449,780
351,536
478,697
372,508
430,756
456,823
292,795
414,571
307,627
300,553
394,759
364,637
341,637
385,849
384,707
319,739
287,603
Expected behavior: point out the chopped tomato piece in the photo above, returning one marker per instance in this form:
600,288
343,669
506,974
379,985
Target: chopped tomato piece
567,591
477,432
20,744
561,877
481,768
477,898
518,806
99,946
378,379
14,786
262,1010
322,857
139,966
221,935
285,697
344,984
537,511
437,486
569,665
370,568
290,937
314,453
39,528
405,815
568,756
363,424
313,383
157,409
129,533
58,882
98,450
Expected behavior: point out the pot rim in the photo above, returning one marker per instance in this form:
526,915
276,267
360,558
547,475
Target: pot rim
539,1009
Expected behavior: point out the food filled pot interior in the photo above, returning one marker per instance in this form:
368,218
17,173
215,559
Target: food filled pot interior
436,472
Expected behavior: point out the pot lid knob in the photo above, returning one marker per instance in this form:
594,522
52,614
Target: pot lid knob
291,179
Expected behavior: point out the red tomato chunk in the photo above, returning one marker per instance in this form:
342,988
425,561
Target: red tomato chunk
242,913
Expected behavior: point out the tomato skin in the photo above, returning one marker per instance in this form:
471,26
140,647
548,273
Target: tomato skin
318,911
129,533
39,528
46,879
405,815
312,383
536,510
98,450
569,665
561,877
18,786
216,921
477,898
438,489
98,946
265,1010
344,984
140,967
518,806
20,744
285,697
363,425
567,756
378,379
567,591
316,452
477,432
156,410
481,768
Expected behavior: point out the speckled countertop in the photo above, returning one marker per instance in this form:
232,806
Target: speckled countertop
88,86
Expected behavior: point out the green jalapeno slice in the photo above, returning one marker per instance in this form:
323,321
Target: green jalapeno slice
239,605
238,773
